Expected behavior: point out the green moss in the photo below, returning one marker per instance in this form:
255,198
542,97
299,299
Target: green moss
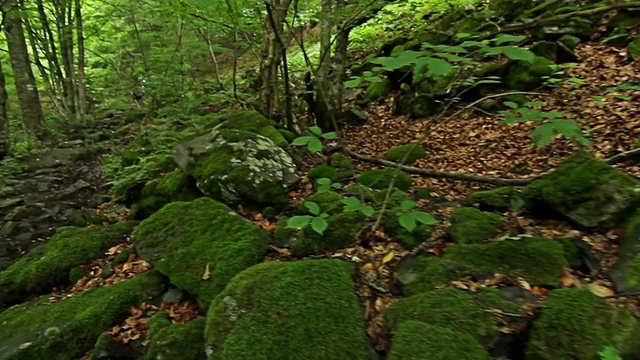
339,234
569,41
252,121
448,307
378,90
586,190
175,186
412,151
184,238
576,324
328,201
306,309
546,49
497,199
123,256
407,239
539,260
343,165
68,328
86,217
525,75
76,274
380,179
158,322
178,341
48,266
361,192
472,226
323,171
417,340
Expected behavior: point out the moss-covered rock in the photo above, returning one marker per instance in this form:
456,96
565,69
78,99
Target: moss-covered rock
626,273
528,75
546,49
343,165
450,304
307,309
178,341
499,198
380,179
328,201
175,186
252,121
47,266
417,340
576,324
234,165
413,153
341,232
585,190
539,260
377,91
323,171
86,217
184,239
472,226
68,328
569,41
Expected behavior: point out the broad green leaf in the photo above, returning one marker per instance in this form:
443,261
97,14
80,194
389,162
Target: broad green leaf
450,49
598,98
623,97
319,225
516,53
407,221
435,66
452,57
354,82
302,140
315,130
330,135
313,207
471,43
543,135
351,201
505,38
516,203
298,222
315,145
407,205
424,217
511,104
367,210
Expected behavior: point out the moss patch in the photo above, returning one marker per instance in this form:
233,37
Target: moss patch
343,165
472,226
413,153
380,179
307,308
339,234
417,340
496,199
253,121
67,329
528,75
328,201
576,324
323,171
49,265
185,238
178,341
175,186
539,260
586,190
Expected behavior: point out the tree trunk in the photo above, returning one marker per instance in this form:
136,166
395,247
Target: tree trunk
30,106
5,134
80,85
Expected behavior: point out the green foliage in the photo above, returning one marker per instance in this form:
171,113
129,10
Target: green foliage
410,218
318,221
313,142
609,353
412,152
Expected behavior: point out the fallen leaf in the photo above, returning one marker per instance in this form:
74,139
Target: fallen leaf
207,272
388,257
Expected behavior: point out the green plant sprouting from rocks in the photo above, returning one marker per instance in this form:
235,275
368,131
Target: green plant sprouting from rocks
318,218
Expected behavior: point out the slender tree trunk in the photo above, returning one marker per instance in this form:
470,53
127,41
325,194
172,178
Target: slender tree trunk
5,134
323,95
30,106
80,85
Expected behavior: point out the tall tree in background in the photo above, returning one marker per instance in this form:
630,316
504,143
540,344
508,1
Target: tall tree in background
5,134
30,106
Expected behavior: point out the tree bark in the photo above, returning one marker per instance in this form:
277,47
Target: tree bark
28,95
5,134
80,85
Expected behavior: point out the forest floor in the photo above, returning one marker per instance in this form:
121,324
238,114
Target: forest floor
474,143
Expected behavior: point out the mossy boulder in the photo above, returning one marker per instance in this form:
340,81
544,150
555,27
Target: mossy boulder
328,201
538,260
381,179
340,233
86,217
377,91
175,186
343,165
456,309
471,226
306,309
546,49
585,190
626,273
254,122
49,265
235,165
68,328
184,239
500,198
417,340
178,341
528,75
576,324
413,153
323,171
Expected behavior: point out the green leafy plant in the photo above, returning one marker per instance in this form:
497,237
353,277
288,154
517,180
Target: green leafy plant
609,353
353,204
325,184
313,142
410,218
318,221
